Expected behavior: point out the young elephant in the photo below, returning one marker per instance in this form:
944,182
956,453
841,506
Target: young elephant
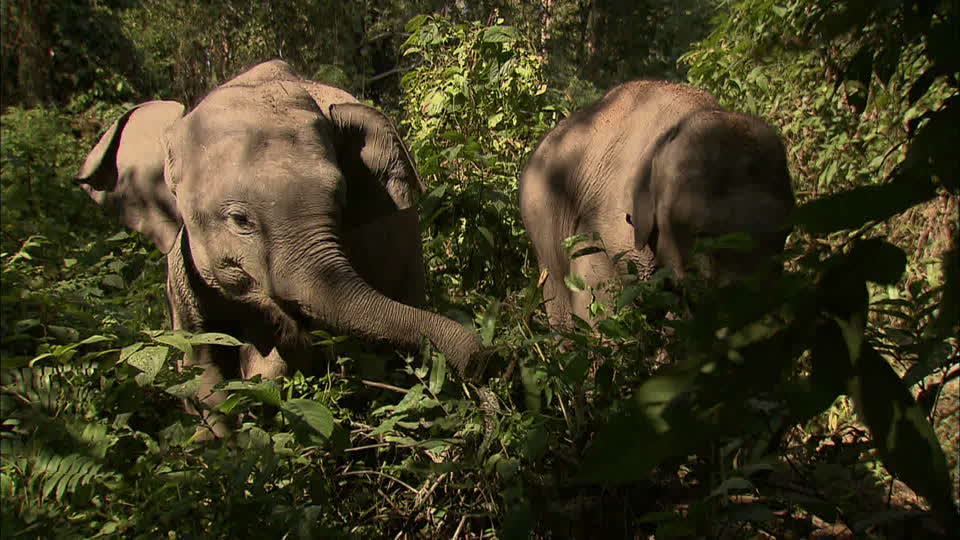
651,167
283,205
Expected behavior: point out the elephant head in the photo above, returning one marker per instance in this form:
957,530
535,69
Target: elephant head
283,205
713,173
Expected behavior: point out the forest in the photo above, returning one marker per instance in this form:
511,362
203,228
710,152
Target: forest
826,406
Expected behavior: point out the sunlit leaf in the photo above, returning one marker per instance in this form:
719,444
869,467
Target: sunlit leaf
500,34
575,283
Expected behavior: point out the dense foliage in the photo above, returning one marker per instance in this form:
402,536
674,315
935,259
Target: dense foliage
831,404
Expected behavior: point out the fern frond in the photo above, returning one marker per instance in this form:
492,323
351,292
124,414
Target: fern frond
51,473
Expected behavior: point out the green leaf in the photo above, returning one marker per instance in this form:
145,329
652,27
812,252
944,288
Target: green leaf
487,235
66,334
488,325
629,293
906,441
415,23
266,392
571,241
740,241
94,339
214,338
186,389
314,415
853,208
577,367
535,444
575,283
114,281
438,374
589,250
149,360
612,329
500,34
177,340
229,404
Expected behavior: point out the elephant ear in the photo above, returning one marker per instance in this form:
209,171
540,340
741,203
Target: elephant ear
124,172
643,216
377,165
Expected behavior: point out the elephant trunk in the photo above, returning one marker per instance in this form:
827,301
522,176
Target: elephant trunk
345,302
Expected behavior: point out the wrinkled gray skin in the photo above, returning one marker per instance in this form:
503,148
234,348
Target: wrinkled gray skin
651,167
283,205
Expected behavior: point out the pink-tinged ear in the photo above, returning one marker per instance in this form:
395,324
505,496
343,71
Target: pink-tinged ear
371,154
124,172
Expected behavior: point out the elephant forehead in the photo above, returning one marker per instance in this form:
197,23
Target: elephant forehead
745,210
238,143
271,168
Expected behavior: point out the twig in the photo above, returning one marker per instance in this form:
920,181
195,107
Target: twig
422,496
378,473
384,386
456,534
386,74
367,447
391,503
948,375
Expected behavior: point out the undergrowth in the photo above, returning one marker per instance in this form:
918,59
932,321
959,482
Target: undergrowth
812,407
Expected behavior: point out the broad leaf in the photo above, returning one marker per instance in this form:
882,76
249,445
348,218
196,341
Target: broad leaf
853,208
266,392
314,415
904,438
149,360
500,34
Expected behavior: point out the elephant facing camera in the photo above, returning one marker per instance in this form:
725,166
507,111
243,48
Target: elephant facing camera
283,205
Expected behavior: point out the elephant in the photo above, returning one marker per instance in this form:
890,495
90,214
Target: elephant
652,166
282,205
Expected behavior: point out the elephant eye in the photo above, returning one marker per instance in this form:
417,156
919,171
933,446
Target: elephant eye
240,221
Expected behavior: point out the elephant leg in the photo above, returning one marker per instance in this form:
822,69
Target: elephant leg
215,424
556,298
252,363
597,272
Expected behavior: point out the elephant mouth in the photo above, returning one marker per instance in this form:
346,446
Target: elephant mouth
289,323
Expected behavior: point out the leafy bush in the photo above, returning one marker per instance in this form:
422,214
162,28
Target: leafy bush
474,106
61,257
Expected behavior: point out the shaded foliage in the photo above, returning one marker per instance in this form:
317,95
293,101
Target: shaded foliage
596,434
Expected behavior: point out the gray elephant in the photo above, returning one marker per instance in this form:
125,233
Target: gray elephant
651,167
283,205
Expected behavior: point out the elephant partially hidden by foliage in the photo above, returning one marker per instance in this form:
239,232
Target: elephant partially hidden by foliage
282,205
652,167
